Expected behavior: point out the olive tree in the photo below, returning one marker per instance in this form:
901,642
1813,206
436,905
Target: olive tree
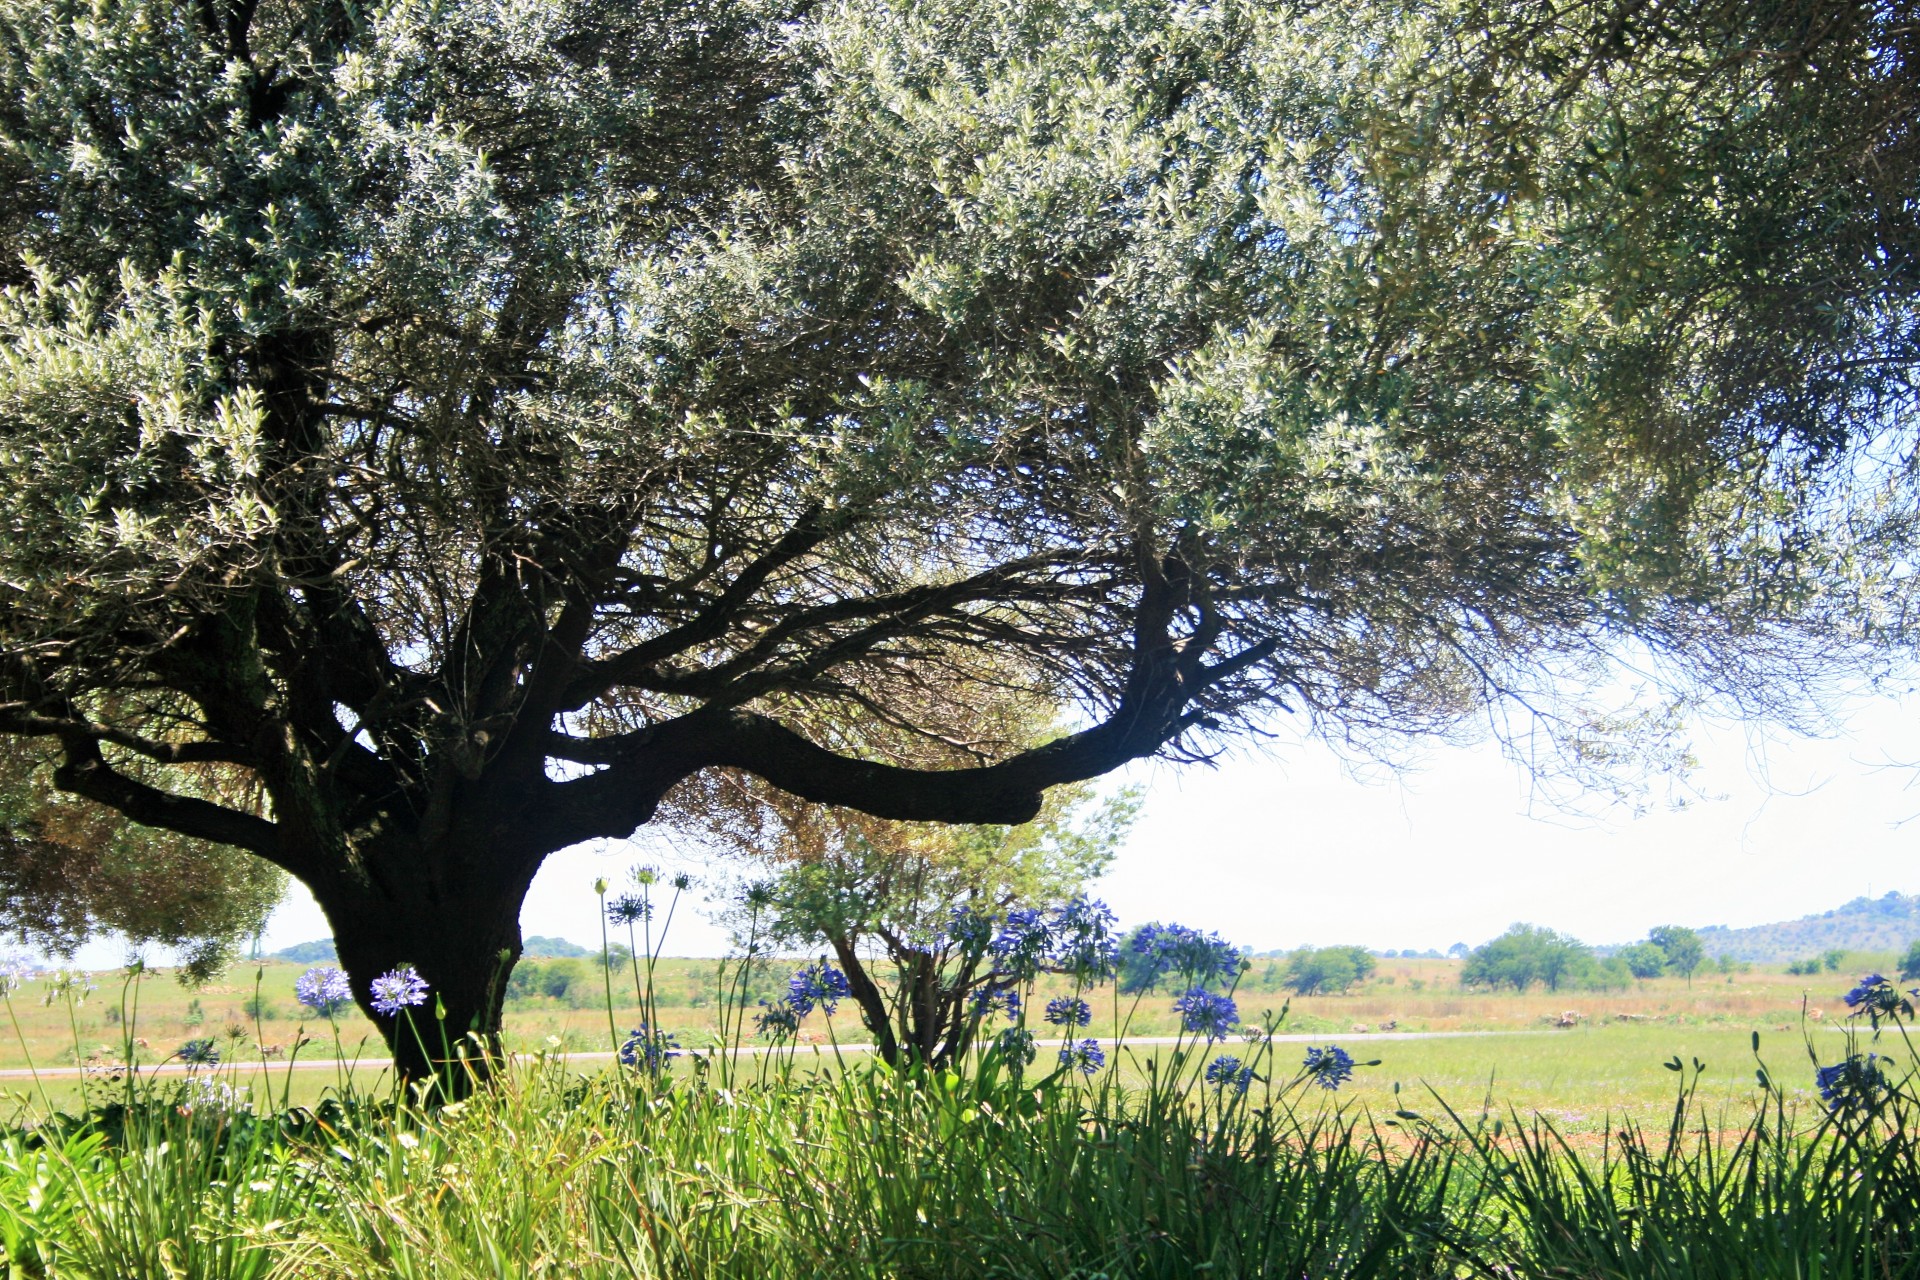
467,422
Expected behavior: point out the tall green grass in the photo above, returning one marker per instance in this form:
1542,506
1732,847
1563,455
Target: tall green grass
856,1170
790,1165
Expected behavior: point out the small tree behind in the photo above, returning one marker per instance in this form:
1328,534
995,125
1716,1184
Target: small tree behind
934,925
1524,955
1682,947
1644,960
1328,970
1910,963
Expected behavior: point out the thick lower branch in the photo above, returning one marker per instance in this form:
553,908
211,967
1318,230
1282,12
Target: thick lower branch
86,773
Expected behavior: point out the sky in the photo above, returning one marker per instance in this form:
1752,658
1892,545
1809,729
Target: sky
1290,846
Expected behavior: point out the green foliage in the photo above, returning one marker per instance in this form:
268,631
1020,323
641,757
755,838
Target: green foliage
881,897
467,422
1910,962
1328,970
1644,960
1804,968
1681,948
1526,954
71,870
882,1173
572,982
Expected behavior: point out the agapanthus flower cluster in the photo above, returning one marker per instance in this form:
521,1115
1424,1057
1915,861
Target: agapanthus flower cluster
199,1053
1076,938
1855,1085
1228,1072
1086,1057
648,1047
1875,998
68,984
1212,1015
1082,940
397,989
989,1000
1159,951
629,909
1020,946
969,930
820,984
206,1096
14,972
776,1020
1016,1045
1329,1068
323,989
1069,1012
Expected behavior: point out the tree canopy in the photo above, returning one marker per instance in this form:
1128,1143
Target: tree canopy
469,421
71,869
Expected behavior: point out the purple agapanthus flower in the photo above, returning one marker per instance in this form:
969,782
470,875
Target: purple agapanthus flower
1864,990
1069,1012
629,909
1020,947
820,984
199,1053
1159,951
1228,1072
969,930
397,989
1016,1045
1876,998
1086,1057
648,1047
776,1020
1082,941
1855,1085
987,1002
1200,1010
323,989
1330,1067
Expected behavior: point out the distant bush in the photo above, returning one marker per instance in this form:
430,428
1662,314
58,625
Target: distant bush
576,983
1910,963
1807,968
1644,960
1527,954
1328,970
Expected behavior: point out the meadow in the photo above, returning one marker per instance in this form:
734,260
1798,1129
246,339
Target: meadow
1669,1130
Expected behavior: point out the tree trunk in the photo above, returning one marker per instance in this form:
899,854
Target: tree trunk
464,948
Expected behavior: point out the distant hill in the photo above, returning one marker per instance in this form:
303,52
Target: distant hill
321,950
538,948
1886,923
306,952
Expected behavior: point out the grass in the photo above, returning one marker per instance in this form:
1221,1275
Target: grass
860,1171
1614,1147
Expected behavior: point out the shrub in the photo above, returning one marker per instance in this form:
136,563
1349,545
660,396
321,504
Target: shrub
1328,970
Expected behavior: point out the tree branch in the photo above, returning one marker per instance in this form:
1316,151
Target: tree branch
86,773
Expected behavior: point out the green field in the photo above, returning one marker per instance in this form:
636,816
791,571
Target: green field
1608,1063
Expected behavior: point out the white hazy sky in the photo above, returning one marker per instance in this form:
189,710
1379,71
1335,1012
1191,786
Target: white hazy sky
1286,848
